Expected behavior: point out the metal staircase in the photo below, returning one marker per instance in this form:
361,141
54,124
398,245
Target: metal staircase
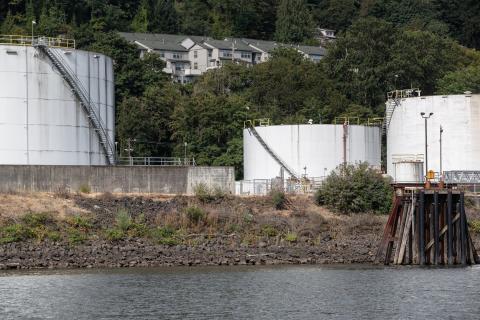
282,163
88,106
389,110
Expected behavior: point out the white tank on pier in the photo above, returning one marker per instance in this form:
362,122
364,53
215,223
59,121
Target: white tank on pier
459,117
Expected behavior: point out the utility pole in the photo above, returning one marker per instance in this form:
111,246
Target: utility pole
129,150
345,134
185,152
425,117
441,160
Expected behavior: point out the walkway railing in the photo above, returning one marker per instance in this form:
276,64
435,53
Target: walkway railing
155,161
24,40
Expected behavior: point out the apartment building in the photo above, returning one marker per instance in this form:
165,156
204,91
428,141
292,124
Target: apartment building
187,57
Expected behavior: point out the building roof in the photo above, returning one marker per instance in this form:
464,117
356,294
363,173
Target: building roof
159,41
171,42
311,50
228,43
263,45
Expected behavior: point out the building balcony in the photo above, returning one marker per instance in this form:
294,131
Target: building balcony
192,72
167,70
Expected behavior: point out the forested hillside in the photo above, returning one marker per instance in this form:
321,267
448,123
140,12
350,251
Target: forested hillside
381,45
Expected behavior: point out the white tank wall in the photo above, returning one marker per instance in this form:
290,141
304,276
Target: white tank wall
41,121
313,146
459,115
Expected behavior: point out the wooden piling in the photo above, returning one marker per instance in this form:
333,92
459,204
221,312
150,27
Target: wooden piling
428,227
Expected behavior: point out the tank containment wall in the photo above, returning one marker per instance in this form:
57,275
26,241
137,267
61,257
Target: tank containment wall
318,147
41,120
119,179
459,116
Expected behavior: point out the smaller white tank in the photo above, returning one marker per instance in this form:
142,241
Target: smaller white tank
408,168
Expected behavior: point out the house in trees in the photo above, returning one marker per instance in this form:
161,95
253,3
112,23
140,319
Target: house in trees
187,57
324,36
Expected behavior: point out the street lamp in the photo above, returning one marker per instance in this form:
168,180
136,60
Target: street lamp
441,164
424,116
185,152
33,24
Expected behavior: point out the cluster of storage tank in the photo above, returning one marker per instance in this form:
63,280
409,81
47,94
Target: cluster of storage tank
41,120
314,150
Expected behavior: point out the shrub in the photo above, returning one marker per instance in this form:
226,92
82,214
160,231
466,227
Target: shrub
278,199
84,188
114,234
75,236
195,214
203,193
291,237
36,219
475,225
123,220
81,222
14,233
165,235
269,231
355,189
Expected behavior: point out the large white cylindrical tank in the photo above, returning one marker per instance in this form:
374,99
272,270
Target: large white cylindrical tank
41,120
315,149
458,115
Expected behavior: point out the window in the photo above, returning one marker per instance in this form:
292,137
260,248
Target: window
246,55
227,54
209,53
195,54
162,54
177,56
195,66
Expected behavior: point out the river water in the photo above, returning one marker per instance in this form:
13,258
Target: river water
313,292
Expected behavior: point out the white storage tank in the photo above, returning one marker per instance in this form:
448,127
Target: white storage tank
41,119
408,169
311,149
458,115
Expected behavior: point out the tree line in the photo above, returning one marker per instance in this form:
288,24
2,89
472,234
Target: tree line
382,45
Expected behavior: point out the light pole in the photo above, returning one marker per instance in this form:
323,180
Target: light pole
185,152
33,24
425,117
441,164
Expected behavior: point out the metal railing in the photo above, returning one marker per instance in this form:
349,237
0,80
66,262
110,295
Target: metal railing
156,161
401,94
265,186
24,40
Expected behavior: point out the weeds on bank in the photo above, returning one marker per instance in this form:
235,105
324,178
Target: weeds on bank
475,225
206,194
126,226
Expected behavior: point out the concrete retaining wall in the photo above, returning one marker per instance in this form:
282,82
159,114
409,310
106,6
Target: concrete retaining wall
140,179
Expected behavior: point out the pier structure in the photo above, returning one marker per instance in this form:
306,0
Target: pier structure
427,227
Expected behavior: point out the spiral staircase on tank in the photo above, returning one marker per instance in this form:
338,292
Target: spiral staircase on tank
251,128
88,106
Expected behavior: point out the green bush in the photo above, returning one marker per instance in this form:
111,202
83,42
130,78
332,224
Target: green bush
206,194
355,189
475,225
291,237
195,214
76,236
37,219
14,233
123,220
114,234
279,199
269,231
81,222
84,188
165,235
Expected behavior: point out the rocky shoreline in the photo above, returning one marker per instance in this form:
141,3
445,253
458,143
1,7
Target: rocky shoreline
141,253
84,231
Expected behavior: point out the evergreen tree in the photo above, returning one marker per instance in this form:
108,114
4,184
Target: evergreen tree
29,14
294,22
140,21
164,17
